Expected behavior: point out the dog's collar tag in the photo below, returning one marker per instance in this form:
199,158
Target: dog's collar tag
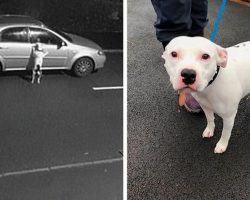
214,77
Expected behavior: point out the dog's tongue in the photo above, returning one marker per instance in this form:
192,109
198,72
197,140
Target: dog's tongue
182,98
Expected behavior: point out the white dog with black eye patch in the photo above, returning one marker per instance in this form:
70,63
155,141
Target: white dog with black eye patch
217,78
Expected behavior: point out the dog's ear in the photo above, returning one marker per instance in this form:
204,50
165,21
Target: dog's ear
164,55
221,56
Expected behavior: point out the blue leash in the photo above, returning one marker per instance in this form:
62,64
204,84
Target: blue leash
217,22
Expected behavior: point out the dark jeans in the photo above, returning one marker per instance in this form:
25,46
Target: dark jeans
179,17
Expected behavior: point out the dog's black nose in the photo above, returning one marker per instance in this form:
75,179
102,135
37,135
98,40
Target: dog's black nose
189,76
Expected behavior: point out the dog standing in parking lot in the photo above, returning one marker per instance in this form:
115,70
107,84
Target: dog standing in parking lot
217,78
38,55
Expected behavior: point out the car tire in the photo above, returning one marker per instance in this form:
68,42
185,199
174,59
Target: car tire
83,67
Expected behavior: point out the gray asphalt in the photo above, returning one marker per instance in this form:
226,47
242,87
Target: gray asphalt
59,122
167,158
94,182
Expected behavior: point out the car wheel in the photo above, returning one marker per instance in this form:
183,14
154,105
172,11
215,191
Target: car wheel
83,67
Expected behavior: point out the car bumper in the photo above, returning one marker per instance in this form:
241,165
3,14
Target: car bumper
100,61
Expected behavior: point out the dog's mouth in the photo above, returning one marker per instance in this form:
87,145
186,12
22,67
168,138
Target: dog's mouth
187,89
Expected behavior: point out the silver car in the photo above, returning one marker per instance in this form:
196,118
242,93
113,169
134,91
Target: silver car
18,34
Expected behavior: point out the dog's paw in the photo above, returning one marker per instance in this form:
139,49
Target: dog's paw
208,132
220,147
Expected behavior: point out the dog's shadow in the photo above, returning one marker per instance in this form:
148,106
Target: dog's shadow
26,75
22,74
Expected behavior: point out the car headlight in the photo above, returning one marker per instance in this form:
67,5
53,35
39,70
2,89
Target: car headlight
100,52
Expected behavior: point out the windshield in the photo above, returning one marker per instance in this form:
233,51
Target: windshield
65,35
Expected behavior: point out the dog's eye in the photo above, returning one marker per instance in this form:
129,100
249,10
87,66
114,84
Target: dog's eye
174,54
205,56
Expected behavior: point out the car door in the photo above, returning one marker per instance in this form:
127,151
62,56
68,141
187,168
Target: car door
51,43
15,49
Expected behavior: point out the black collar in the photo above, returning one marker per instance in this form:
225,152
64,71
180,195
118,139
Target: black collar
214,77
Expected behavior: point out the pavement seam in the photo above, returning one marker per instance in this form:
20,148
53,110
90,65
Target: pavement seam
113,50
61,167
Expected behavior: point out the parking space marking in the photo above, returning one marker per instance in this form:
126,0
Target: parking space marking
108,88
61,167
113,50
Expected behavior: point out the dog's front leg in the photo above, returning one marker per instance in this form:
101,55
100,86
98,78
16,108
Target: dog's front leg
39,77
228,123
33,77
209,130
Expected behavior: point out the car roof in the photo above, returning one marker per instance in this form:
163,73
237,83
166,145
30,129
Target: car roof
19,20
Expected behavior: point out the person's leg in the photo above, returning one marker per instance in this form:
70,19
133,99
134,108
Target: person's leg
199,16
173,19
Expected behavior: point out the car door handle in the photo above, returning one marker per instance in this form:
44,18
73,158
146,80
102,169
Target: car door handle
4,47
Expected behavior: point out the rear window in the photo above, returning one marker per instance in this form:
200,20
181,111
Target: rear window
17,34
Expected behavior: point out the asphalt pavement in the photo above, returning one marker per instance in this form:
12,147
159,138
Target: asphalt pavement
61,139
167,157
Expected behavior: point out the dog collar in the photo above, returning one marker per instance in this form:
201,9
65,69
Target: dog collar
214,77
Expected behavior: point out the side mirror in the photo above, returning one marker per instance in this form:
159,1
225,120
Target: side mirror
61,44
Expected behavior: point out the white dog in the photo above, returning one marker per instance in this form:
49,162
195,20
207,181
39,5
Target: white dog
38,54
217,78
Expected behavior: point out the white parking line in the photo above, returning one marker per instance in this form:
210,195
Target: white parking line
108,88
60,167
